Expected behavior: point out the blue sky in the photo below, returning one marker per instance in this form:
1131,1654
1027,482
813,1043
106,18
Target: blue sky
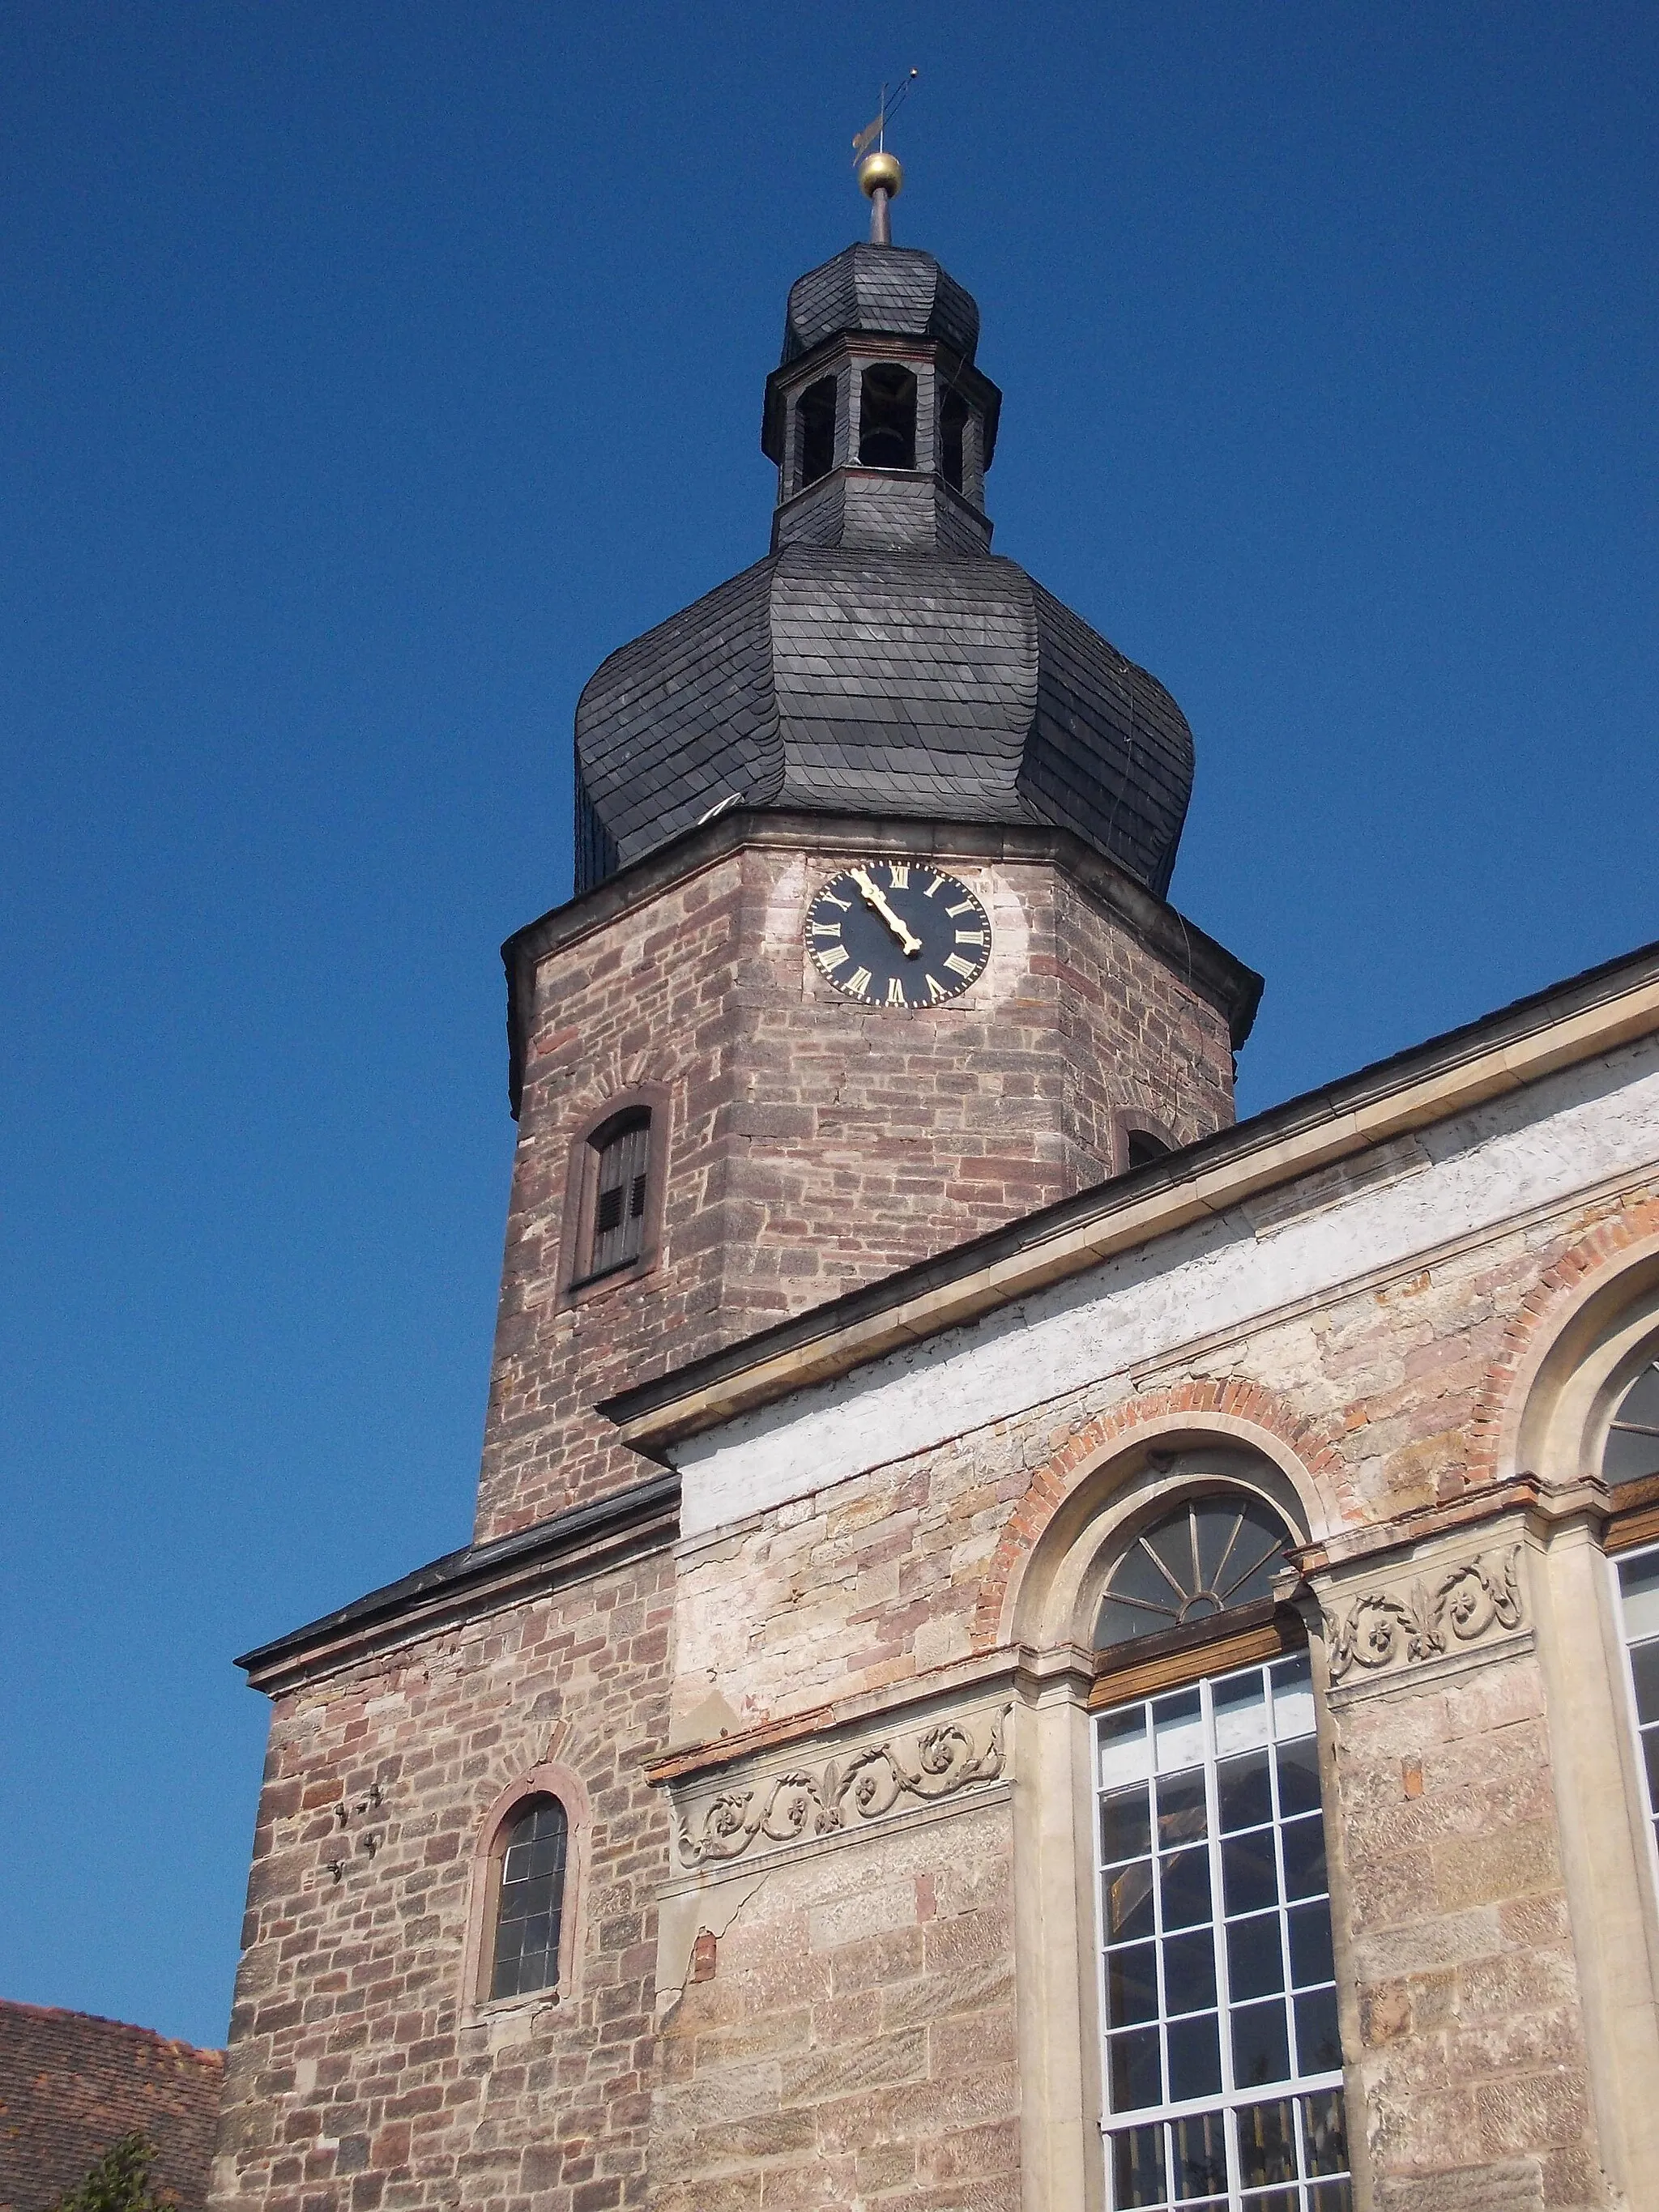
370,372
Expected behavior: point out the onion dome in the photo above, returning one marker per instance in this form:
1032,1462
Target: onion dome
880,660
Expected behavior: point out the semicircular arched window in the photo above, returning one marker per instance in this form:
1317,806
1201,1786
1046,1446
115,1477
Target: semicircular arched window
1210,1554
530,1902
1632,1447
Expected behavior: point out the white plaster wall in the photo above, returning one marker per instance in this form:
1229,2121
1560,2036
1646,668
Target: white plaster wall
1537,1147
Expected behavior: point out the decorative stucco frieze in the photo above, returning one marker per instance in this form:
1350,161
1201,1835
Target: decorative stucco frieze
1470,1601
836,1796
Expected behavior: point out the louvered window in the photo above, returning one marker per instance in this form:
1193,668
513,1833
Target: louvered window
621,1179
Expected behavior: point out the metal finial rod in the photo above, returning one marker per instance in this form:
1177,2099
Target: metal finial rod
880,178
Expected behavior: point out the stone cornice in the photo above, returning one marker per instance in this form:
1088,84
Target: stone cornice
1575,1021
1210,969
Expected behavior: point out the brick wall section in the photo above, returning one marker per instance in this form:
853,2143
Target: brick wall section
356,2078
855,2044
72,2085
816,1145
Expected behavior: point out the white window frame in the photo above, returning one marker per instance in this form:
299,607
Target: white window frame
1617,1561
1229,2100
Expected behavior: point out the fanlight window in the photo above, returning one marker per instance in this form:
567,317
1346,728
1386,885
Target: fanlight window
887,418
1633,1439
530,1909
1143,1147
623,1168
1207,1555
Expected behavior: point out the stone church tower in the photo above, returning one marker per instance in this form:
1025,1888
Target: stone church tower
1026,1647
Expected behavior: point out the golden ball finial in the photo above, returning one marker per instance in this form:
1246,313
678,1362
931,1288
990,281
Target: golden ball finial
880,173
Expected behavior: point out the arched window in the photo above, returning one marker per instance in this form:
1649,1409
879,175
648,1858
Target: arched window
621,1166
529,1901
953,437
1142,1146
1221,2061
887,418
815,432
1209,1554
1632,1447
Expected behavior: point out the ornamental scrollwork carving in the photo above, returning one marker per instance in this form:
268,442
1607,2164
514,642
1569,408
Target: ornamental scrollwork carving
1460,1606
843,1793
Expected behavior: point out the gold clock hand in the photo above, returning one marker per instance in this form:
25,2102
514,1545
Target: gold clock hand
873,898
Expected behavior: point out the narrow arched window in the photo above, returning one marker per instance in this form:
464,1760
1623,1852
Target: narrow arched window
953,436
1141,1147
887,418
529,1901
620,1166
1632,1446
1220,2055
815,432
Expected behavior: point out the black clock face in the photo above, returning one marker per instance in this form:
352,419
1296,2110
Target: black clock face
898,933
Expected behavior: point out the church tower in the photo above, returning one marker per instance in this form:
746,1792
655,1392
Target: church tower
870,953
870,950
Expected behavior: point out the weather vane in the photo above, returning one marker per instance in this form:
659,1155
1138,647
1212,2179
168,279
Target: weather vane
879,173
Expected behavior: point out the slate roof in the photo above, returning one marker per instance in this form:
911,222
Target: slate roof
890,289
71,2085
847,679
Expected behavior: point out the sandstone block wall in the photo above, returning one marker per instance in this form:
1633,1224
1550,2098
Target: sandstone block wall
360,2072
814,1143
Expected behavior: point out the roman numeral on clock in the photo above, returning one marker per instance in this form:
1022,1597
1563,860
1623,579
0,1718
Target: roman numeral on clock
970,937
896,991
826,929
958,966
832,960
857,985
935,990
965,907
899,875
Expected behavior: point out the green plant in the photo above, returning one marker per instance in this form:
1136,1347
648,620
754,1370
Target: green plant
119,2182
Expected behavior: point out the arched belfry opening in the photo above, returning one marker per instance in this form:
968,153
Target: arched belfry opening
815,432
887,417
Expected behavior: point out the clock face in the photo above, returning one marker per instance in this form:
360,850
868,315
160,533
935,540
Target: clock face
898,933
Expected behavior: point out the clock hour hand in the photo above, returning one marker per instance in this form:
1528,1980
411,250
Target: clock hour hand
872,898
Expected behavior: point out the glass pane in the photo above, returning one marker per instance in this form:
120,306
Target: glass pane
1129,1903
1650,1755
1184,1879
1324,2133
1318,2045
1310,1945
1266,2143
1331,2197
1124,1756
1181,1809
1638,1580
1125,1824
1134,2072
1132,1985
1241,1711
1304,1857
1138,2167
1261,2051
1178,1731
1644,1666
1293,1705
1142,1579
1199,2157
1249,1874
1276,2200
1195,2057
1243,1792
1189,1972
1256,1964
1299,1778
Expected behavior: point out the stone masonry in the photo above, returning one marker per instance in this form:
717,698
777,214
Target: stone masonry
814,1144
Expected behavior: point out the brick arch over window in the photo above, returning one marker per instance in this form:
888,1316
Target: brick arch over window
1613,1253
551,1778
1231,1412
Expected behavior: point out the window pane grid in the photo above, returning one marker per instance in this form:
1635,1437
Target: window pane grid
1638,1595
530,1909
1222,2066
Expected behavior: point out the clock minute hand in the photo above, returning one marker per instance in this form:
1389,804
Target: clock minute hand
872,898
